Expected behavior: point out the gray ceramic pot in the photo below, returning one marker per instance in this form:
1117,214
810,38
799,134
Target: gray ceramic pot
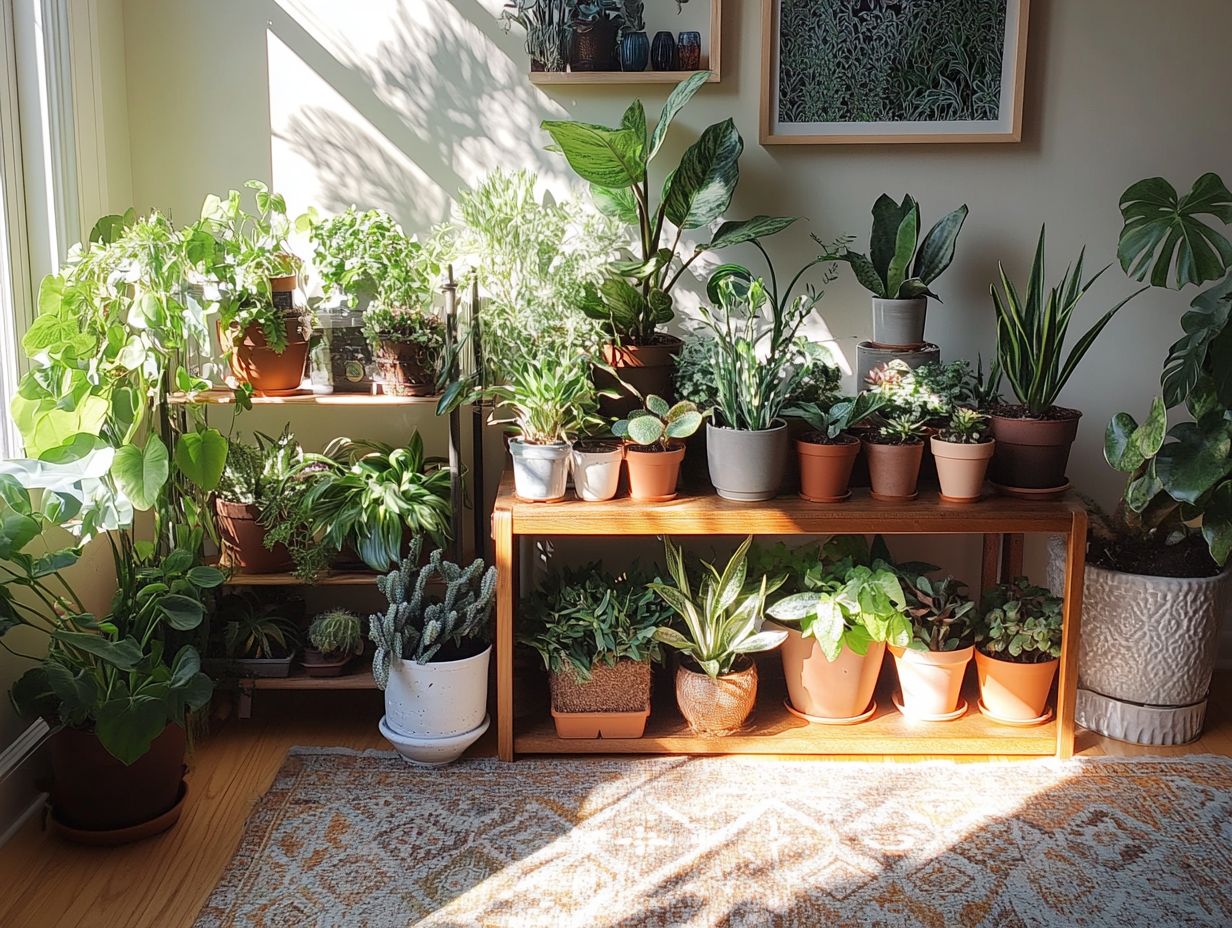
1146,652
869,356
746,465
899,323
540,472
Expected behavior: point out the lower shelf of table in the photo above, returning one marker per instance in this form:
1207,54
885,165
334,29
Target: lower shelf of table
774,730
298,680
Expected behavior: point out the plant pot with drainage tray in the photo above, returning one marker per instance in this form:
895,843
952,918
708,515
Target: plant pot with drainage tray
1018,650
931,666
895,451
827,452
655,446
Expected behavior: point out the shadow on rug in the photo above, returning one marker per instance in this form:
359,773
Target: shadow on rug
362,839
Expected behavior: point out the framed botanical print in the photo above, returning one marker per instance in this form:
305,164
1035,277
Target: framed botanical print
877,71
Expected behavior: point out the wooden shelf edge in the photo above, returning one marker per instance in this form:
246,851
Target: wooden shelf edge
227,398
333,578
358,680
550,78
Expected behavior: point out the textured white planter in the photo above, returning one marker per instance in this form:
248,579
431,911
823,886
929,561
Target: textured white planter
431,752
1146,652
540,472
438,700
596,474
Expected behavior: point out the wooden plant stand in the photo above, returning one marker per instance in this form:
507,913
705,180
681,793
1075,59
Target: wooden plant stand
772,730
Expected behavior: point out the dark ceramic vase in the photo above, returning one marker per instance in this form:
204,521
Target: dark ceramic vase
689,51
634,52
663,52
593,46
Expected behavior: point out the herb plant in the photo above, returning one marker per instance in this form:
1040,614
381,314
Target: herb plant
409,326
582,616
941,614
966,427
657,425
723,621
1020,623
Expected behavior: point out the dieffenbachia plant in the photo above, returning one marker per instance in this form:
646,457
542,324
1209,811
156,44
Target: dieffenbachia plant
636,297
1182,475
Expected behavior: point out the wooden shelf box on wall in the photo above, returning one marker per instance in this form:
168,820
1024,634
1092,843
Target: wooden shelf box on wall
711,54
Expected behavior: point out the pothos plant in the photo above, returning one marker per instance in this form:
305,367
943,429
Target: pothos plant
636,298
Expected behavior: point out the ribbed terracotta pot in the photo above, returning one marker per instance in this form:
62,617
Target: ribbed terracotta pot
653,475
961,468
243,540
647,368
1012,690
894,470
839,689
930,681
716,705
1032,454
825,469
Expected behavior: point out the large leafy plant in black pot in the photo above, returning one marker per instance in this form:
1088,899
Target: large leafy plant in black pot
635,299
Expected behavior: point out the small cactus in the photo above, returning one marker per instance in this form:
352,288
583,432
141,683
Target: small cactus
336,633
415,627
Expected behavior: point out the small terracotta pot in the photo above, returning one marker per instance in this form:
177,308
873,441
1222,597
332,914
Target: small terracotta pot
92,790
253,361
841,689
406,369
716,705
930,681
1012,690
243,540
961,468
653,475
894,470
825,469
647,368
613,703
316,664
1032,454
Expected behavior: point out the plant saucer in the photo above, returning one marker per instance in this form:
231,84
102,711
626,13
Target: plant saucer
1016,723
958,499
293,391
916,717
893,499
1043,494
827,499
112,837
821,720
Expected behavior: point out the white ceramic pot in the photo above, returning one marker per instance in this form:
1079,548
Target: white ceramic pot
596,474
440,699
540,472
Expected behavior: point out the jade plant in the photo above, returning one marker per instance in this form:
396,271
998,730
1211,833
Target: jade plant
898,265
658,424
1020,622
335,633
416,626
941,614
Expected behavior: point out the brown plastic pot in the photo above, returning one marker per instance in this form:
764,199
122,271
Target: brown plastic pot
825,469
961,468
653,475
894,470
93,791
600,724
716,705
837,690
317,665
646,368
1013,690
406,369
243,540
930,681
1033,454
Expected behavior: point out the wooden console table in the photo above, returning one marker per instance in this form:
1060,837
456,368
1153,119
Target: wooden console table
772,730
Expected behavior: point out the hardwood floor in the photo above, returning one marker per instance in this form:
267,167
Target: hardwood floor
161,883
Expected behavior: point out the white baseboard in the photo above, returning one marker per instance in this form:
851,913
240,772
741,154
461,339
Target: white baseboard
19,799
36,805
22,747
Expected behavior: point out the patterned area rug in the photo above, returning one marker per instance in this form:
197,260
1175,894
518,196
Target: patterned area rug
347,839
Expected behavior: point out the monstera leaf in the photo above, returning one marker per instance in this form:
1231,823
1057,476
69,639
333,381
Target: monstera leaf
1207,319
1163,230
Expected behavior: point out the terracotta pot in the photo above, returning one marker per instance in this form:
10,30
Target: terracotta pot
1012,690
406,369
716,705
1032,454
653,475
646,368
930,681
243,540
316,664
841,689
93,791
894,470
613,703
825,469
269,372
961,468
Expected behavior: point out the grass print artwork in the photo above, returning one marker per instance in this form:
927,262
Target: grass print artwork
872,65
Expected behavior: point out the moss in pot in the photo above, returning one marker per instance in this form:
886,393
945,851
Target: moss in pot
895,451
1018,650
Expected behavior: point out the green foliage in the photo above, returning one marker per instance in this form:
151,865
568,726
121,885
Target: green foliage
1031,331
409,326
900,430
582,616
723,622
635,298
941,614
415,626
899,266
1163,232
658,424
819,376
834,419
1020,623
547,29
694,379
548,399
929,392
336,633
966,427
255,628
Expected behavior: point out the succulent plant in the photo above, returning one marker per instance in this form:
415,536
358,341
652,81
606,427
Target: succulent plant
941,613
1020,623
900,430
336,633
966,427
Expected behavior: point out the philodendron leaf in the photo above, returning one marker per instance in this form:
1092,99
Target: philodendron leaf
737,232
700,189
1217,523
1127,445
1209,314
615,203
141,472
937,250
681,94
123,654
624,302
127,725
645,429
1162,229
1195,461
201,457
183,613
606,157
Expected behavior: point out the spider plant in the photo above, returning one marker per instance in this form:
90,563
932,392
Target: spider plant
548,401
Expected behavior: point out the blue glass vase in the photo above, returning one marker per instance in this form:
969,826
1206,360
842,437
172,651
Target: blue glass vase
689,51
663,52
634,51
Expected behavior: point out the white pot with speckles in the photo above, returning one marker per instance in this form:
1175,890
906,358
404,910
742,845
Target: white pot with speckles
440,699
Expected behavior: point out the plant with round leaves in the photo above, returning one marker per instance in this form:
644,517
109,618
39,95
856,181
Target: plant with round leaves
1020,623
657,425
